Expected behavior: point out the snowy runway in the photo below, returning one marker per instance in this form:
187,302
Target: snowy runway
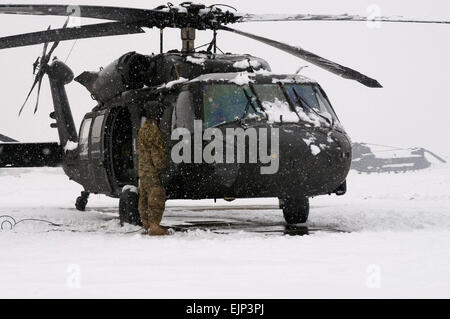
387,237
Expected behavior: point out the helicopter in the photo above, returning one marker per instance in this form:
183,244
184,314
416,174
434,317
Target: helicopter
221,91
390,159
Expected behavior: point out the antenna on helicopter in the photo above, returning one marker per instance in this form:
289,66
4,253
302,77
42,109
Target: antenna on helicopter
300,69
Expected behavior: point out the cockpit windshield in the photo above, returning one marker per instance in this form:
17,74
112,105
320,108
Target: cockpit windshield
225,103
286,103
311,99
274,103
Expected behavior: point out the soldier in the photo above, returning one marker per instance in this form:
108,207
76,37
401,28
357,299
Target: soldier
152,161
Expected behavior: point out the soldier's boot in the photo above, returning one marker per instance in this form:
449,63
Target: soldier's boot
145,223
145,227
157,206
154,220
156,230
143,210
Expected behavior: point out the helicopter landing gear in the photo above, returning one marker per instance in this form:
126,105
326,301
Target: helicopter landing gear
295,209
81,202
128,208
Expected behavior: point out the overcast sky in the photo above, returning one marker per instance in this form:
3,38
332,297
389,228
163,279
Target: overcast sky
410,61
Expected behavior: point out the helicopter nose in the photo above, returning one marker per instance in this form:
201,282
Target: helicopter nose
314,145
307,161
315,160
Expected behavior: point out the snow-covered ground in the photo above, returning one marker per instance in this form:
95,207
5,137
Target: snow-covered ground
388,237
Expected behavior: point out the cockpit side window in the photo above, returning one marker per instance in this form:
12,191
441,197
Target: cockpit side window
325,105
84,138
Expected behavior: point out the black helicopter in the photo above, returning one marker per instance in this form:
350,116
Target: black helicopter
224,91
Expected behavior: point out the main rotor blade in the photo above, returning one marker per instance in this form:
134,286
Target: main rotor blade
6,139
331,17
37,80
38,94
83,32
44,50
328,65
54,46
96,12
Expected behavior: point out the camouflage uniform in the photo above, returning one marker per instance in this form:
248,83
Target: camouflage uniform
152,161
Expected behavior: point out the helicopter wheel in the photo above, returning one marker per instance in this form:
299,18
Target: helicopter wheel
295,209
81,202
128,208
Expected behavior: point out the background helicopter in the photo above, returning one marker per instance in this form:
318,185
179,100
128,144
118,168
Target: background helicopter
96,178
374,158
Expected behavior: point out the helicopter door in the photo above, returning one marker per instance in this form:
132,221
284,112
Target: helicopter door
97,167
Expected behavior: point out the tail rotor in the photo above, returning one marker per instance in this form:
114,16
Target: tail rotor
40,67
